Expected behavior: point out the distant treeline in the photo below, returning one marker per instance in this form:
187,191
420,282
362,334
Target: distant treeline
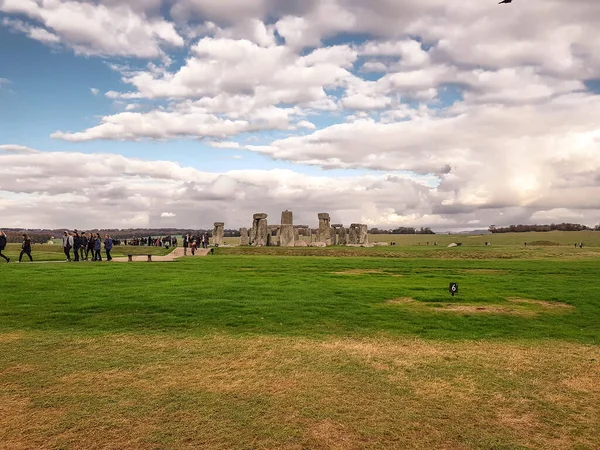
402,230
542,228
41,236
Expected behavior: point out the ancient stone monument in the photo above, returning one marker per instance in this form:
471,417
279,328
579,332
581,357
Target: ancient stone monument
218,233
358,234
324,233
244,237
340,234
258,235
287,237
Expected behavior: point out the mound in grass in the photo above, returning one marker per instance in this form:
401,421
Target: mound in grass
544,243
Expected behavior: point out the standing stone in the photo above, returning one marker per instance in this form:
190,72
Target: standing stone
287,236
342,235
363,234
337,233
353,235
324,232
333,236
259,230
359,234
218,234
287,218
244,238
296,234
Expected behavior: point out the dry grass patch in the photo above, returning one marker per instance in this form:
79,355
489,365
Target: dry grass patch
401,301
543,303
6,338
263,392
485,309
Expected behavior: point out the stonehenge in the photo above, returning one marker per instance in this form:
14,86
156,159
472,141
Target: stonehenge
324,233
244,237
287,234
218,234
260,231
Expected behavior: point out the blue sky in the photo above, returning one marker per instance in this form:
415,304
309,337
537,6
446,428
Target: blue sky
387,114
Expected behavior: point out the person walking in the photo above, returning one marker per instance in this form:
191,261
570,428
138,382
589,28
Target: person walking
67,243
3,242
185,244
97,248
84,244
90,247
76,245
26,248
108,246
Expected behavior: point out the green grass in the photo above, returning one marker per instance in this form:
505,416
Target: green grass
305,348
303,296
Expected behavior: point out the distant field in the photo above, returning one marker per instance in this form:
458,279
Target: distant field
589,238
344,348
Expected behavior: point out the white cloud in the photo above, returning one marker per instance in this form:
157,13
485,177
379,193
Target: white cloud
124,191
481,99
93,29
94,91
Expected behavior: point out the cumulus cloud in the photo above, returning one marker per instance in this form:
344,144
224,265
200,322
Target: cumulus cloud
117,191
93,29
494,110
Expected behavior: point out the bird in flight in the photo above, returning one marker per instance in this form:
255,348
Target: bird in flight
505,1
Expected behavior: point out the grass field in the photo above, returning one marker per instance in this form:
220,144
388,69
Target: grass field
283,348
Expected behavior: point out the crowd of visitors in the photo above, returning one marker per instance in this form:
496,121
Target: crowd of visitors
167,241
194,242
82,245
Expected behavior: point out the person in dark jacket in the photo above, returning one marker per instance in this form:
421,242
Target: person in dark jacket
108,246
76,245
97,248
84,244
26,248
3,242
90,247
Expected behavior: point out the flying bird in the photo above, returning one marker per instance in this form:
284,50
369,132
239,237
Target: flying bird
505,1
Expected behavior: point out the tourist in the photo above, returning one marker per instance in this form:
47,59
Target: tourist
90,247
84,244
3,242
67,243
76,245
97,248
108,246
185,244
26,248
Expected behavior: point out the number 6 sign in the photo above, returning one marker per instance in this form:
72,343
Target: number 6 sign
453,288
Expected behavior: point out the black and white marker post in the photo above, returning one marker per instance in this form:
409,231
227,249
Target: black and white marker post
453,288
